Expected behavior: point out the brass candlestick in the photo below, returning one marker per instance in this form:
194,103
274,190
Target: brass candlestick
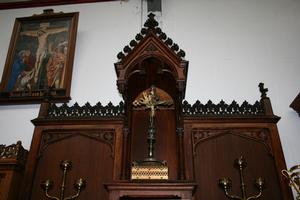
80,184
293,176
225,183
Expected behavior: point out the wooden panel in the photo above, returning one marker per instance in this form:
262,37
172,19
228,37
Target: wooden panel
4,184
91,153
10,181
214,152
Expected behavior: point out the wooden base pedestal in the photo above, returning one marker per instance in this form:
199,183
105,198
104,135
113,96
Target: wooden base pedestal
150,190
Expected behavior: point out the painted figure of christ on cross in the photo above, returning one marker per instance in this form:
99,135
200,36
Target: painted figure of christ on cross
42,35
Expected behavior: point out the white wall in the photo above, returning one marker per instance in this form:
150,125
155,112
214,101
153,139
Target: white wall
231,46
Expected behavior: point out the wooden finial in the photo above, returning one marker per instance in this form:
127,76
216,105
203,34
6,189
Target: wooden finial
262,90
48,11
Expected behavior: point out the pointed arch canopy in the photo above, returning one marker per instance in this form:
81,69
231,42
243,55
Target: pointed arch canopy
151,42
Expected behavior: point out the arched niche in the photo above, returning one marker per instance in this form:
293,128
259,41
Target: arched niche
153,59
148,72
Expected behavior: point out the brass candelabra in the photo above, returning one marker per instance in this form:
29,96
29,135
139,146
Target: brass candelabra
80,184
225,183
293,176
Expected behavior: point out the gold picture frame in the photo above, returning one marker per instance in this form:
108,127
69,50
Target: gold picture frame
40,57
13,4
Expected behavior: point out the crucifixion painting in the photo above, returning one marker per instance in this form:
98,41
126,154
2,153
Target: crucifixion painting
40,57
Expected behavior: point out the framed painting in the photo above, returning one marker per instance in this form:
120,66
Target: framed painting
40,57
12,4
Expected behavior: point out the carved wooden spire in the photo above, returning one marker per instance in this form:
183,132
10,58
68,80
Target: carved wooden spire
151,26
151,42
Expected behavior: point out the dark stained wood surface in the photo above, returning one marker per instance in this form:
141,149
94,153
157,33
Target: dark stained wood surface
94,150
214,144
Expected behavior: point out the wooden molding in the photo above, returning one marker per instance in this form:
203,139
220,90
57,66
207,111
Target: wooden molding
296,104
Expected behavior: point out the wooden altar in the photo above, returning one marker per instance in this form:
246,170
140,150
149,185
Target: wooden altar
148,190
198,142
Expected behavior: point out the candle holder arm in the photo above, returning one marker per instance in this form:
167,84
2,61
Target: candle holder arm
50,197
287,174
231,196
74,196
255,196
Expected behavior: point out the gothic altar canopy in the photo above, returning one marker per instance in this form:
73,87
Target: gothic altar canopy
155,145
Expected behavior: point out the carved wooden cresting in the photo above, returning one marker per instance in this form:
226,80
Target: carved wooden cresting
12,161
14,151
87,111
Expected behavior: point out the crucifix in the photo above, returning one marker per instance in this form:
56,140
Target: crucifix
152,102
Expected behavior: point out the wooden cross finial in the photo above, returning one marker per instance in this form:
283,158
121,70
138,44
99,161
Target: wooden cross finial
262,90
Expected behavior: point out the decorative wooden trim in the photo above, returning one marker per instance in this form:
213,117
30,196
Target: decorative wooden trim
222,109
102,135
258,135
150,27
151,42
85,111
14,152
184,190
296,104
258,109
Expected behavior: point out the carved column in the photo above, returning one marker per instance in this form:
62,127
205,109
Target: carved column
181,174
180,132
125,158
44,108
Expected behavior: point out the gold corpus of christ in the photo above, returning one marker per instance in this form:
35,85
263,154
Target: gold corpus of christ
150,167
